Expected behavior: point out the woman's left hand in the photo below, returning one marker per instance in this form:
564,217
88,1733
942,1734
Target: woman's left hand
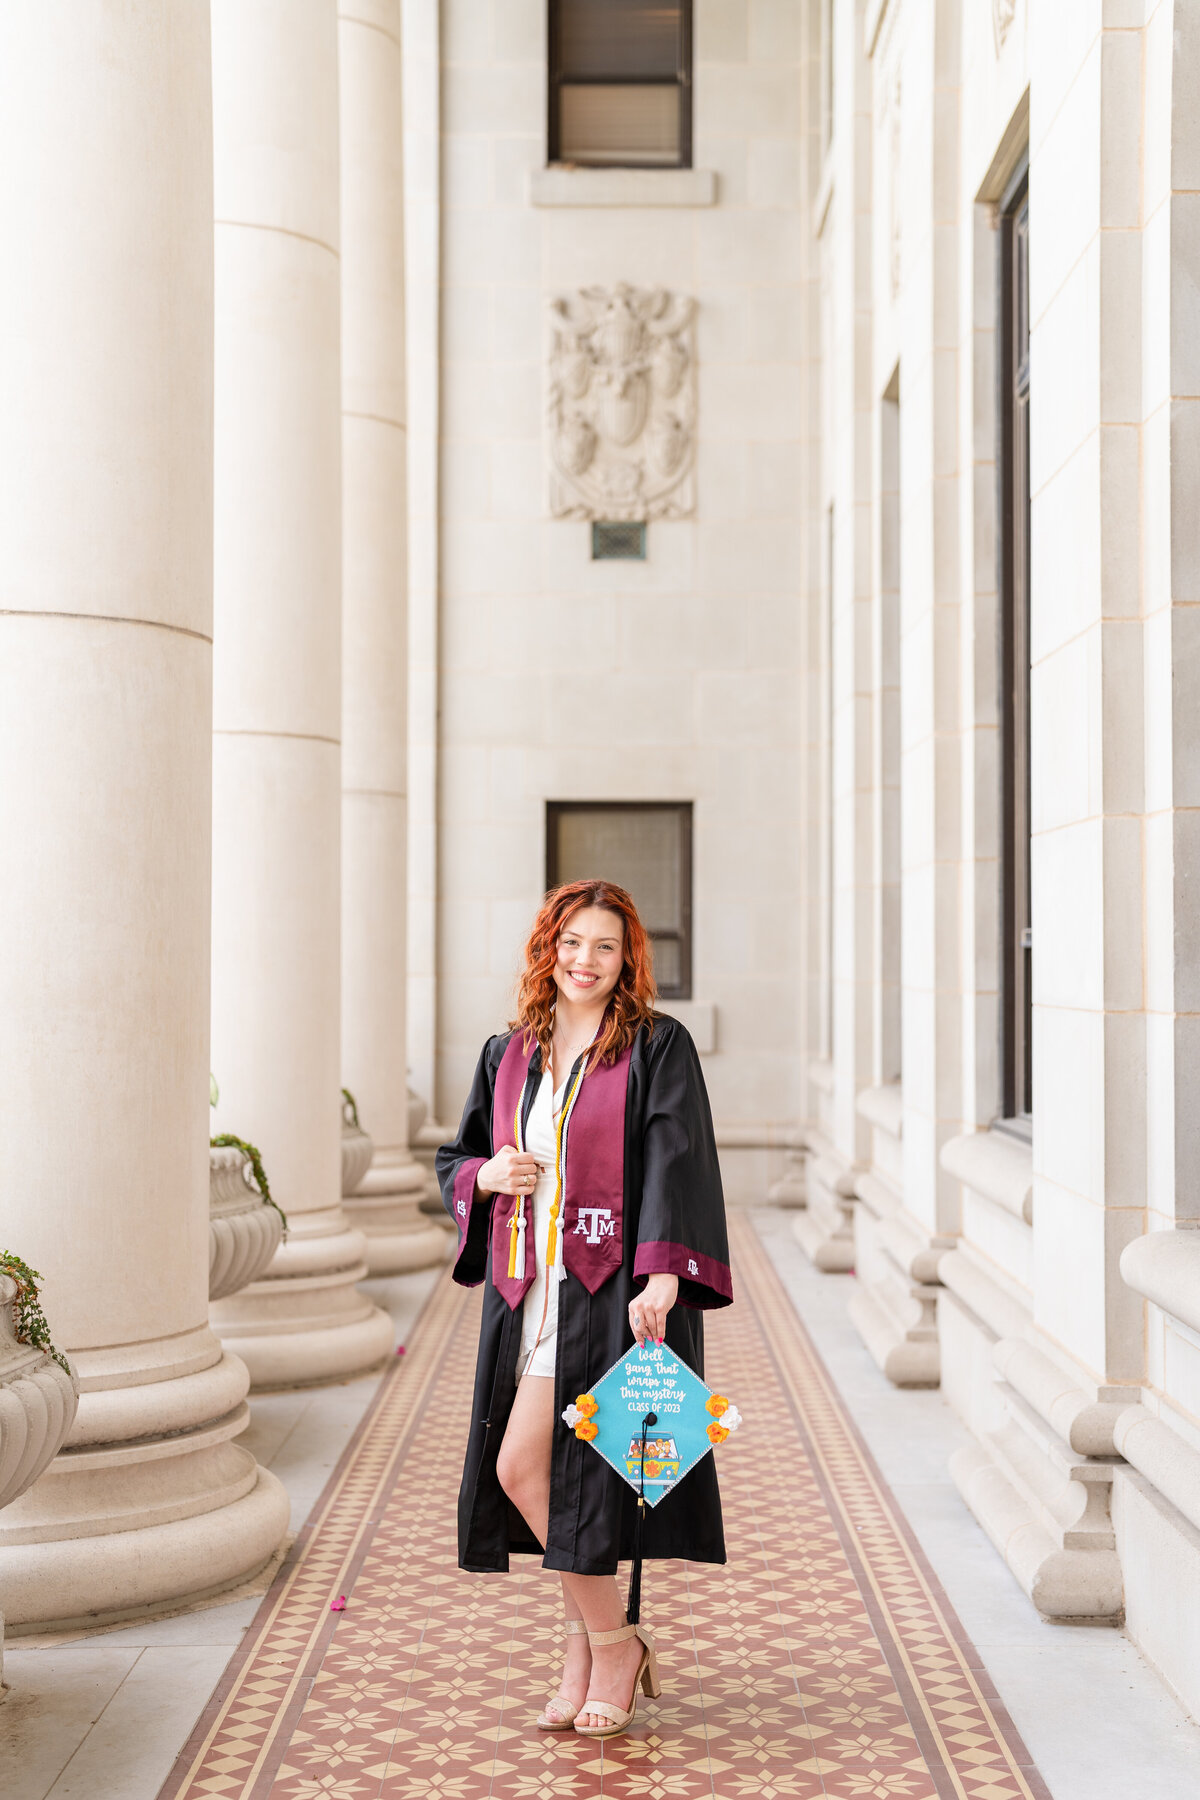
648,1310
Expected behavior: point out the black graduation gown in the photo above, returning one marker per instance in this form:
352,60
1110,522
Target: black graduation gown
674,1209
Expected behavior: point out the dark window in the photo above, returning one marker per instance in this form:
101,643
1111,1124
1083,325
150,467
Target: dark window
1013,412
645,847
618,540
621,83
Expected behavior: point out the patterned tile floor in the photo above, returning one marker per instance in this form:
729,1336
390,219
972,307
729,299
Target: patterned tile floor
824,1659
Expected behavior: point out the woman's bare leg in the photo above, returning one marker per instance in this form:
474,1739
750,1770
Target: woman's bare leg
523,1467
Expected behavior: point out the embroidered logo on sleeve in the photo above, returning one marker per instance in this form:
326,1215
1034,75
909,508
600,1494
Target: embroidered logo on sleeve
692,1269
602,1224
461,1209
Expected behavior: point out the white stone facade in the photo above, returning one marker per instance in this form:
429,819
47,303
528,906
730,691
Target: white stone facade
1013,1264
670,679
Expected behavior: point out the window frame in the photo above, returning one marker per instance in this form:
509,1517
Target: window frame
555,809
555,78
1014,615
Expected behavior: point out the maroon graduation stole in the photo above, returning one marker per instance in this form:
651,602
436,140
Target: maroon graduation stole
592,1155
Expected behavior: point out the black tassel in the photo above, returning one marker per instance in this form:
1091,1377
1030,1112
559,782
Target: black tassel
633,1605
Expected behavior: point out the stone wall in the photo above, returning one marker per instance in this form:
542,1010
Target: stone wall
676,678
1042,1273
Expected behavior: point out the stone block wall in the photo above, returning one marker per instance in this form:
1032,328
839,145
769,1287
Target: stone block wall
674,678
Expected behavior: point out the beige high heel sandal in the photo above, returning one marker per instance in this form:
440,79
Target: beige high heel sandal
646,1676
545,1722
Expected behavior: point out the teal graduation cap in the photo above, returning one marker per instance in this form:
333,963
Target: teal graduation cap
652,1419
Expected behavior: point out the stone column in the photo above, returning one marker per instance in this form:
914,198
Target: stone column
909,1204
105,711
839,1140
375,634
277,678
1040,1479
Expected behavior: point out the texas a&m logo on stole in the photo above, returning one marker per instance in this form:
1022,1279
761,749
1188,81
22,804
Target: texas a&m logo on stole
593,1174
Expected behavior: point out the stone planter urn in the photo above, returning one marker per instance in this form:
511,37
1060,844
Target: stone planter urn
357,1148
243,1231
37,1409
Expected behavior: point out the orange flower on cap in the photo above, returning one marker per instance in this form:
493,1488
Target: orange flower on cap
586,1430
716,1404
586,1404
717,1433
653,1470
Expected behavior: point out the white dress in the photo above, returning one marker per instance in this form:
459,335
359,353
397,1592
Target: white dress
539,1333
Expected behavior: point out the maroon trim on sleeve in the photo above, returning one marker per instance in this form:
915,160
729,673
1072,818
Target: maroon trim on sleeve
464,1202
662,1257
464,1192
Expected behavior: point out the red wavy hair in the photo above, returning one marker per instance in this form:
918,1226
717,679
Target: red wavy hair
631,1002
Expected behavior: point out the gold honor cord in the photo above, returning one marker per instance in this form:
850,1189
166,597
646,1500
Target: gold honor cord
564,1115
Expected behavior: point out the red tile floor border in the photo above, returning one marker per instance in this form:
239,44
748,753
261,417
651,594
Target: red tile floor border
823,1659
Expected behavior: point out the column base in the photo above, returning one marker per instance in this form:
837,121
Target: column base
825,1229
907,1353
894,1305
152,1502
1039,1477
385,1208
305,1323
80,1582
791,1189
1067,1586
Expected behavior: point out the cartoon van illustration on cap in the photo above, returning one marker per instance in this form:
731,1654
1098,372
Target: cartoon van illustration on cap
662,1459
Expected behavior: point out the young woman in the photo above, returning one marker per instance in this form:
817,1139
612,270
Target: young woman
585,1186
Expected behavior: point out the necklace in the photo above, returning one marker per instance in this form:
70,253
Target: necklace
570,1051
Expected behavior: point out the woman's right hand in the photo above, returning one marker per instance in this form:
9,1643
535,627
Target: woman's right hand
509,1172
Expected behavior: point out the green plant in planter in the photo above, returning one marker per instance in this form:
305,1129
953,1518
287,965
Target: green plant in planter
350,1109
227,1141
29,1321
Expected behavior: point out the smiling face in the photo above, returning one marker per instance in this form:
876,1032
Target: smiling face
590,949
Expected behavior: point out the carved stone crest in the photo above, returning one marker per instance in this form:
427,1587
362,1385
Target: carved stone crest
622,404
